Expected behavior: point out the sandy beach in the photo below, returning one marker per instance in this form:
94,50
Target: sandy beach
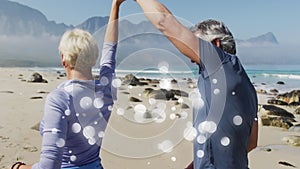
131,141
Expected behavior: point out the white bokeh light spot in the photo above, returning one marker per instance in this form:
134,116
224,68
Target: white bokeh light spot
225,141
152,101
237,120
109,108
180,100
92,141
217,91
73,158
89,132
101,134
140,111
104,81
163,67
54,131
60,142
173,159
165,84
190,133
86,102
120,111
233,93
67,112
116,83
166,146
76,128
184,115
207,127
215,81
200,153
98,103
68,88
201,139
172,116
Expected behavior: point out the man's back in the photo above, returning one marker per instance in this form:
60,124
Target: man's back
230,105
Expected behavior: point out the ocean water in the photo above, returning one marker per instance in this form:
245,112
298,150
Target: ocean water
266,76
263,76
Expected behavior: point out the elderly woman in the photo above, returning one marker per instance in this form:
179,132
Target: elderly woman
77,111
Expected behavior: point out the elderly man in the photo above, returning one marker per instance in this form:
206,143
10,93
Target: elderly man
225,114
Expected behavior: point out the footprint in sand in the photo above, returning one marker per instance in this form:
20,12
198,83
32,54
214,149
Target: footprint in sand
30,148
4,139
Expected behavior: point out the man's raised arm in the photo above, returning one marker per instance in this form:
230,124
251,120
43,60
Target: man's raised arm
184,40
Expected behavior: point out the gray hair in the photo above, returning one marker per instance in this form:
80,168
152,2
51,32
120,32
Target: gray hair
79,48
210,30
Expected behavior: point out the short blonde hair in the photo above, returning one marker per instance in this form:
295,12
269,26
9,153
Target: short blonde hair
79,48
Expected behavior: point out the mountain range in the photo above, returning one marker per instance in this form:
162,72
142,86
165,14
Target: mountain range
20,24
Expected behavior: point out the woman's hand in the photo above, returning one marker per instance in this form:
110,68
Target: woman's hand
118,2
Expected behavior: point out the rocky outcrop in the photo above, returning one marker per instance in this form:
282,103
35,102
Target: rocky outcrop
292,98
277,117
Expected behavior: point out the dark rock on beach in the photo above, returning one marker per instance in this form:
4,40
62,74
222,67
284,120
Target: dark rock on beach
163,94
277,102
281,122
276,111
292,98
133,81
278,117
36,97
133,99
37,78
286,164
280,83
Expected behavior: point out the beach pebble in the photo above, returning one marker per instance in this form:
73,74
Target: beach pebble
36,97
292,140
133,99
41,92
280,83
7,92
37,78
286,164
267,149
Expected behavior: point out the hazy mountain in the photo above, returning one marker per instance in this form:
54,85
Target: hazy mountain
17,19
28,38
93,24
265,39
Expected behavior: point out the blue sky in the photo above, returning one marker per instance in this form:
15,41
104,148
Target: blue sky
246,19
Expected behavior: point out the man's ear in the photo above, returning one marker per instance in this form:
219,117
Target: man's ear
216,42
